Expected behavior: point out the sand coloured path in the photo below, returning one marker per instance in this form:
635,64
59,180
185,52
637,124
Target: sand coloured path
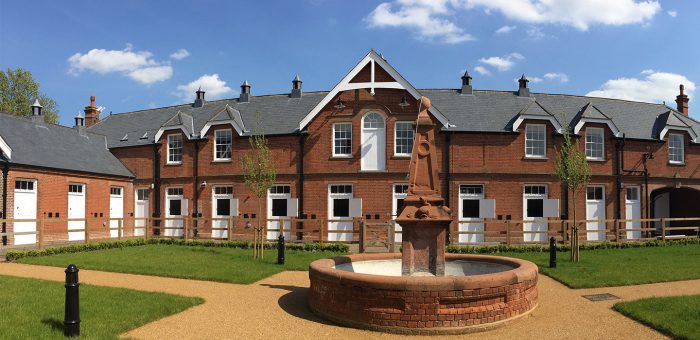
275,308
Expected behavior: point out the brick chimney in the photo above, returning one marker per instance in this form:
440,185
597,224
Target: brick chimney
92,115
682,102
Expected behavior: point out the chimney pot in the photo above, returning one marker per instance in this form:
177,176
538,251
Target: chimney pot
92,115
682,101
296,87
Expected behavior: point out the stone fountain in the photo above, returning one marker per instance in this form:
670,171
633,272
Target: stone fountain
422,290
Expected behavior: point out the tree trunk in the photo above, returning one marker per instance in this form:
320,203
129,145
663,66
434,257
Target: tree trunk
260,229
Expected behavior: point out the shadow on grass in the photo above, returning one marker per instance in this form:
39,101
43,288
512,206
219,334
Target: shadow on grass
53,323
296,303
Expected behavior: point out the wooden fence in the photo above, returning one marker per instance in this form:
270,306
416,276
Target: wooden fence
55,231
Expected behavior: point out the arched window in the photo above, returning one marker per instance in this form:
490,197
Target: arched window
373,120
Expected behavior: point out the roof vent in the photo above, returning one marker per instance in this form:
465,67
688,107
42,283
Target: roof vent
682,102
199,101
245,92
467,83
296,87
523,90
37,116
79,120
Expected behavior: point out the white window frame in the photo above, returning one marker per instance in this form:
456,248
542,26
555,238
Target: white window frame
341,155
175,136
544,155
601,133
216,144
396,138
680,148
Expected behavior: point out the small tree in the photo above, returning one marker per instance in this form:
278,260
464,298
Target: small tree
573,170
259,173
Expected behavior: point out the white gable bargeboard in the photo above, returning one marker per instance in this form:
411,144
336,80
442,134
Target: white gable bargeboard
5,148
372,58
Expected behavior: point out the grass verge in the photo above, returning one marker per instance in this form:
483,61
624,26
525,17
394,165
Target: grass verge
221,264
678,316
33,309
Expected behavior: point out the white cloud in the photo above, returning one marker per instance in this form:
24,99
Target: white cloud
578,14
505,29
504,63
426,17
563,78
482,70
137,65
180,54
535,33
531,79
673,14
214,87
654,87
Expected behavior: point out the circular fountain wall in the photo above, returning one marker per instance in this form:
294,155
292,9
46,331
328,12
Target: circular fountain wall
477,292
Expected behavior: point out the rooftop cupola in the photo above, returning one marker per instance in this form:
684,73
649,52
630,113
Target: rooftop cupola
245,92
199,100
79,123
296,87
682,102
523,90
467,83
37,115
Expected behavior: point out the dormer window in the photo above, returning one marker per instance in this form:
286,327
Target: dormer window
675,149
535,141
595,144
222,145
175,149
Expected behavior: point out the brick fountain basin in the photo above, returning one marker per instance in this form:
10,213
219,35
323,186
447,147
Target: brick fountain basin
478,292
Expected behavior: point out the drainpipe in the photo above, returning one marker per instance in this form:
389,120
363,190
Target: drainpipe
5,174
300,174
195,172
618,178
448,147
156,183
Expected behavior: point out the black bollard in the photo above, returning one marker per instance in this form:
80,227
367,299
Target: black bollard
280,249
552,253
71,322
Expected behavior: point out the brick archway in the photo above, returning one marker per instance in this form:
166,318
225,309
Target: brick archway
670,202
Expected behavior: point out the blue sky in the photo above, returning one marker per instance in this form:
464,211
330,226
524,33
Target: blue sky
139,54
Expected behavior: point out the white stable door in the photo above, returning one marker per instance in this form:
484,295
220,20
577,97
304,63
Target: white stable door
470,220
534,201
399,194
342,206
116,210
373,142
175,208
141,212
223,207
25,208
280,208
76,209
595,210
633,211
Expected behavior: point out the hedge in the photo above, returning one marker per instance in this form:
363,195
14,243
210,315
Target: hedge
13,255
536,248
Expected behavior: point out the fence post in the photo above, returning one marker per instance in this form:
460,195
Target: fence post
87,233
392,236
185,228
120,226
663,229
41,234
563,231
229,228
507,232
616,228
146,226
362,236
320,231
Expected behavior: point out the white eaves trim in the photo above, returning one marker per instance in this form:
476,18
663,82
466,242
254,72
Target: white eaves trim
610,124
522,118
6,149
174,127
371,58
694,136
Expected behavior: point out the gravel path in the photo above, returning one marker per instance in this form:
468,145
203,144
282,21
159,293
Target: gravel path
275,308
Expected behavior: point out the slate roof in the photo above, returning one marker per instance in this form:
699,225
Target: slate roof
483,111
58,147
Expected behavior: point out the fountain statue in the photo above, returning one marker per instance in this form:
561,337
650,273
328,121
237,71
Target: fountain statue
423,290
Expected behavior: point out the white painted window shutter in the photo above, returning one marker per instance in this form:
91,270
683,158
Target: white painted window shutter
292,204
234,207
487,208
551,208
184,211
356,207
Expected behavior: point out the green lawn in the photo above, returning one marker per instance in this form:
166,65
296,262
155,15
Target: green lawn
621,267
678,316
190,262
33,309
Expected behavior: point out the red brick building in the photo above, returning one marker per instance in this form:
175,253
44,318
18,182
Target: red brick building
54,172
345,153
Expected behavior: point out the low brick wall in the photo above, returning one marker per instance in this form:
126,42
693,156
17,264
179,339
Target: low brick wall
422,305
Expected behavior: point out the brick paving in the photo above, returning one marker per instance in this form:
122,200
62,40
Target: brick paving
276,308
